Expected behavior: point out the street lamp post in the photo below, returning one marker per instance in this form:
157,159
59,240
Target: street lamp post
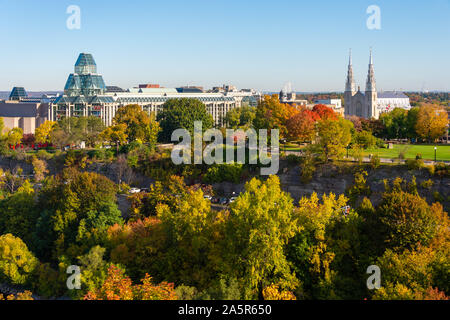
435,153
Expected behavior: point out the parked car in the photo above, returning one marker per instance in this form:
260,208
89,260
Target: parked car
135,190
232,199
215,200
223,201
207,197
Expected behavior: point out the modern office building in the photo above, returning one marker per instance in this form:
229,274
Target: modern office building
85,94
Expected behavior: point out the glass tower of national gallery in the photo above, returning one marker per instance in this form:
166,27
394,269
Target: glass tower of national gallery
85,81
85,95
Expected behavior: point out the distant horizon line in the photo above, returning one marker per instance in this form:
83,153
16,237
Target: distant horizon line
264,91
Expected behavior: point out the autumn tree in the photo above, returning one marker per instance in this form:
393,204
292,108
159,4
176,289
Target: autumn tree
139,125
3,143
39,168
161,192
259,225
43,132
413,274
272,114
323,252
186,226
14,136
333,137
115,134
274,293
432,121
118,286
17,263
301,126
75,206
324,112
26,295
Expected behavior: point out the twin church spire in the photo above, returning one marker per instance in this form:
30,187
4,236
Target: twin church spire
370,83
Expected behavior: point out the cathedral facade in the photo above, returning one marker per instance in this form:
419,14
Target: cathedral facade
357,103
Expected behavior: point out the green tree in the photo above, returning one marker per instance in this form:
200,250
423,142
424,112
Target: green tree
396,123
405,220
181,113
325,244
75,207
18,213
241,117
364,139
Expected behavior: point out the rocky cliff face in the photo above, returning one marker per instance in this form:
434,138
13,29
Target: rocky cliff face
331,178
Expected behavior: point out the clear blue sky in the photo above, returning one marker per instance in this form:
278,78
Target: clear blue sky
249,43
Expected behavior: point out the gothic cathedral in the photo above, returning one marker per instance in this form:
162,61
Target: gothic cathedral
358,103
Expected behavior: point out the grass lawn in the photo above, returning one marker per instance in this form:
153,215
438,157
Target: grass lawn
427,151
291,147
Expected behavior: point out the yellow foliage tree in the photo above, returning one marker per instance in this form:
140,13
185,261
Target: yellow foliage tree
432,122
43,132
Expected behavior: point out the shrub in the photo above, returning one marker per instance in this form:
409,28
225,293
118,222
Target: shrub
224,172
427,184
430,169
293,159
44,155
402,152
359,188
438,197
441,169
101,155
415,164
380,144
307,168
375,161
365,139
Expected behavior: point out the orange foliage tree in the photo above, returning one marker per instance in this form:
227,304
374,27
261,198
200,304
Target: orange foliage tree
274,293
118,286
301,126
324,112
272,114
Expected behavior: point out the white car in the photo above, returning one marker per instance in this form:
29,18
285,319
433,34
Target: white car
207,197
135,190
232,199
